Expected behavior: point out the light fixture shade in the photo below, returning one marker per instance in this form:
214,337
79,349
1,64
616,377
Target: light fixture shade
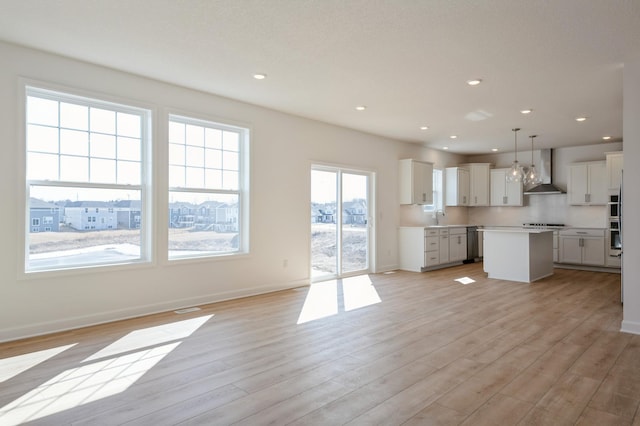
531,176
515,173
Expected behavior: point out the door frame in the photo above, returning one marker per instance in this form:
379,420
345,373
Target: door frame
371,225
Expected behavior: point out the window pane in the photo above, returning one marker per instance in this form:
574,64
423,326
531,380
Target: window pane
74,169
176,132
195,156
103,145
129,173
41,138
213,138
231,141
213,179
195,177
230,160
42,166
103,171
213,158
202,224
102,120
128,149
195,135
74,237
176,154
176,176
74,116
230,180
74,142
129,125
42,111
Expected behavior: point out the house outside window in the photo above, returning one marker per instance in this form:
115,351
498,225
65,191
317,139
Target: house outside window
83,155
208,188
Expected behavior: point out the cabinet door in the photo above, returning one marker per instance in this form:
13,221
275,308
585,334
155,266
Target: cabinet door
514,193
598,183
457,247
498,183
570,250
444,248
416,182
479,179
593,251
457,186
614,170
578,187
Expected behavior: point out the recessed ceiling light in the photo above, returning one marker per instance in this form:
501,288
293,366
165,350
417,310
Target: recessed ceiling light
474,82
445,147
606,138
361,107
424,127
526,111
453,137
581,118
494,149
259,76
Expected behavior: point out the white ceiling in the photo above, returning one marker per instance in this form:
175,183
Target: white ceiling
406,60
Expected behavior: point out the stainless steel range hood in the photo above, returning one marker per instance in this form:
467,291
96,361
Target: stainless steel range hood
546,187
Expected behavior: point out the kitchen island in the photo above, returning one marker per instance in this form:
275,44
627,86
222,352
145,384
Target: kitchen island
516,254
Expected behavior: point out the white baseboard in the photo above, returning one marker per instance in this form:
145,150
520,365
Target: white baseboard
39,329
632,327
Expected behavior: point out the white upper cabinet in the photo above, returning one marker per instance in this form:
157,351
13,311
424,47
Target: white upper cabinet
416,182
614,169
479,183
457,186
502,192
588,183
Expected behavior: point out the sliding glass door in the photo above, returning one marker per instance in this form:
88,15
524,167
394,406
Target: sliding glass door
340,223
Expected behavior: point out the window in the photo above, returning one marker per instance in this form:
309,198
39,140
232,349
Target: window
84,155
438,193
207,188
35,222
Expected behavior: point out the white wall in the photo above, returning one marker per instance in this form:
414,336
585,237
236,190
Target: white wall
631,197
552,208
282,149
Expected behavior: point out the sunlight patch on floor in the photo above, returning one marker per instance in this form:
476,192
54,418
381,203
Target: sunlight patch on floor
465,280
11,367
323,298
359,292
151,336
108,372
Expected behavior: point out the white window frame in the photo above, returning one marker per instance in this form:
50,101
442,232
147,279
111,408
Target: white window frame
46,91
242,192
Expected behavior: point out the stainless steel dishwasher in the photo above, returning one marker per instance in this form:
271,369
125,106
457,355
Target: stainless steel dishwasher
472,244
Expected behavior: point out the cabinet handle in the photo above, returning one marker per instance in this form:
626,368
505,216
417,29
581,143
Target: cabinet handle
424,196
581,243
504,200
475,200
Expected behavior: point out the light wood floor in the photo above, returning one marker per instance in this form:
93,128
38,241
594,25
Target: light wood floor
432,351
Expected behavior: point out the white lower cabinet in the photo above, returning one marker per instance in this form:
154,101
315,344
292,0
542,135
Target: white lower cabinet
457,244
431,248
582,246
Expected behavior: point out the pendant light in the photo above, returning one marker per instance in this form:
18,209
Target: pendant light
532,176
515,173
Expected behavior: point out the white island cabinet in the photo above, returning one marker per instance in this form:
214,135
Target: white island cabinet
523,255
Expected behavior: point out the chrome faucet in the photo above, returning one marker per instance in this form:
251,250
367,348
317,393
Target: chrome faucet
435,214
